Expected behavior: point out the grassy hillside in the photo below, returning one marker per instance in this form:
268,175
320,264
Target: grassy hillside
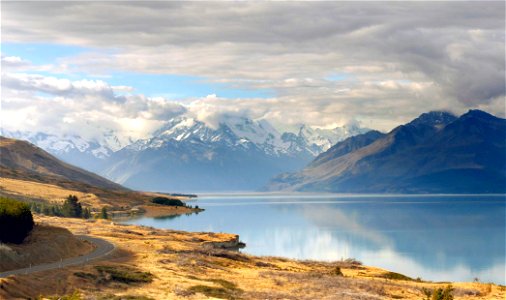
22,160
31,174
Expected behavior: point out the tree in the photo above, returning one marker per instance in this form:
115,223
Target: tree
103,213
86,213
16,221
72,208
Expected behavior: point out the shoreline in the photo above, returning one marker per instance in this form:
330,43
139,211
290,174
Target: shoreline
154,211
194,265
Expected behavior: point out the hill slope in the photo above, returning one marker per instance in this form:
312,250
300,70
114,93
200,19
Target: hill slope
435,153
22,160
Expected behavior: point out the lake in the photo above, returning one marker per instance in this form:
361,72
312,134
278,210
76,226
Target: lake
434,237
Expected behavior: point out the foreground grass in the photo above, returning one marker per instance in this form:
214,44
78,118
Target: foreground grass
163,264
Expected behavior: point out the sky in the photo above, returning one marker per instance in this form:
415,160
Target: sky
127,67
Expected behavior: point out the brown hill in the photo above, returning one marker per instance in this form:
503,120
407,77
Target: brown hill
22,160
26,163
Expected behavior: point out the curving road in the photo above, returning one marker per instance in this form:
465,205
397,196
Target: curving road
103,248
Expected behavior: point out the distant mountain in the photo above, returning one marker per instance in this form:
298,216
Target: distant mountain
22,160
73,149
240,154
435,153
189,155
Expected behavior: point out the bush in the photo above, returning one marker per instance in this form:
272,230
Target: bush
396,276
439,293
17,218
126,274
167,201
228,290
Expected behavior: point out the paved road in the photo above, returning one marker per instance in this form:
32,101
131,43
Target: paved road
102,249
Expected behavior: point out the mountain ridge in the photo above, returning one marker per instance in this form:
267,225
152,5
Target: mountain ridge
445,154
23,160
217,155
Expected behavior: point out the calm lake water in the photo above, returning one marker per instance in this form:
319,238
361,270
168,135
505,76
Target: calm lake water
437,237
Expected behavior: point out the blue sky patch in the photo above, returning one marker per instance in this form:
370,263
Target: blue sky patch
41,54
153,85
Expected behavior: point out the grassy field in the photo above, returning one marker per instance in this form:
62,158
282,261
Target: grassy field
164,264
44,192
31,191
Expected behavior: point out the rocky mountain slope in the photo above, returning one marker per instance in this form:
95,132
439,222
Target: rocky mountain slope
435,153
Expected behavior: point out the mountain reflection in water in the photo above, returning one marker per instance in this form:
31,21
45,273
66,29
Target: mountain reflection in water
435,237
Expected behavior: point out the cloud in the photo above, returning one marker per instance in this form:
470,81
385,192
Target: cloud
85,107
13,61
399,60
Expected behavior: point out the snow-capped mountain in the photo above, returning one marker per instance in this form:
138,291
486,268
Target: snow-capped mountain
244,132
87,154
186,154
59,145
239,154
320,140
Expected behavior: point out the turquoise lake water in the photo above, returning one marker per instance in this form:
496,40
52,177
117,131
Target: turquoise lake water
435,237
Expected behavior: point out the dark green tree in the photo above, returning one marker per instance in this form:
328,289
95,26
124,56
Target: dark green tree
86,213
103,213
71,207
16,221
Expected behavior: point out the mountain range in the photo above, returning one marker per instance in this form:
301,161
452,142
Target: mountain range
190,156
435,153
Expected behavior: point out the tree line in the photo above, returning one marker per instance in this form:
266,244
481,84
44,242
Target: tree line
71,208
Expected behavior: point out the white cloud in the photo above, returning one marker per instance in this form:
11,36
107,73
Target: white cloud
399,60
85,107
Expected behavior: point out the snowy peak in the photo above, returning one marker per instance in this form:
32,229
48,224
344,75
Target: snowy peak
245,133
434,119
183,128
258,132
233,132
60,145
320,140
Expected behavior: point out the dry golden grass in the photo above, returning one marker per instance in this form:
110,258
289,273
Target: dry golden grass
25,190
44,244
45,192
185,265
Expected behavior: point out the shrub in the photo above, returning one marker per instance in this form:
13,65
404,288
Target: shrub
74,296
396,276
17,218
211,291
338,272
125,274
439,293
167,201
228,290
